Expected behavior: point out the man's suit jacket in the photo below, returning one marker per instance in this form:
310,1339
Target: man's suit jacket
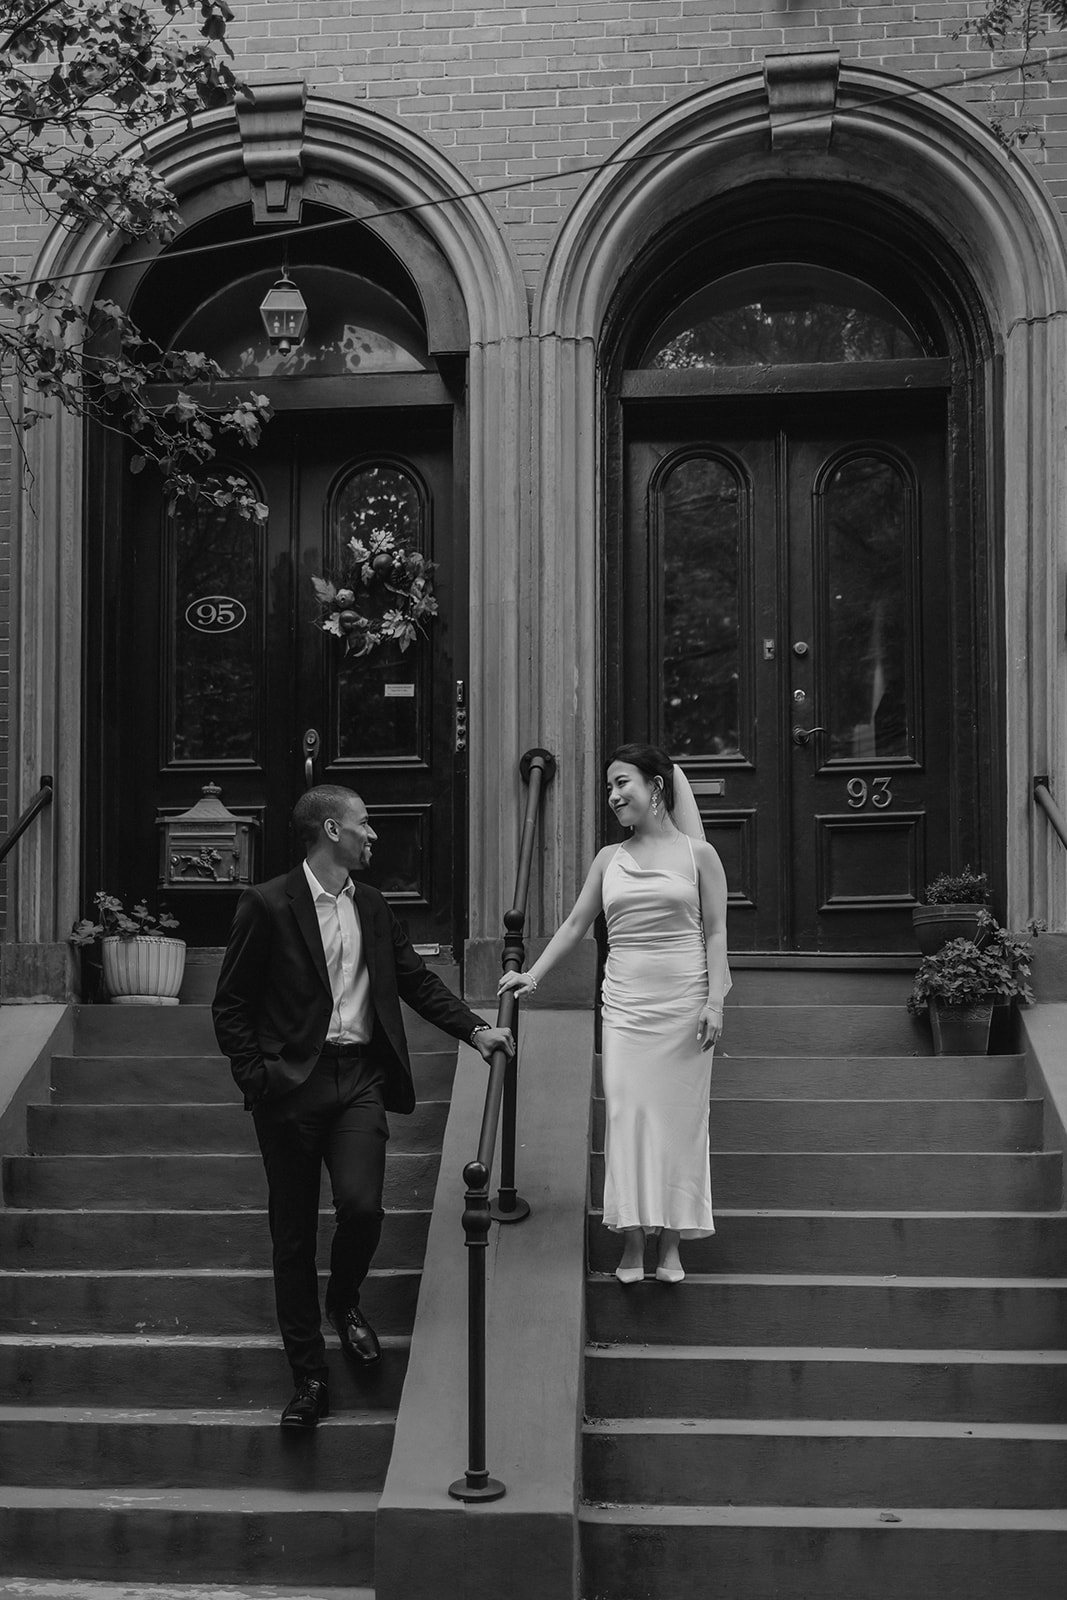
273,1003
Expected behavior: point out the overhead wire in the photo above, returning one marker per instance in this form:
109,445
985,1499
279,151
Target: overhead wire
555,177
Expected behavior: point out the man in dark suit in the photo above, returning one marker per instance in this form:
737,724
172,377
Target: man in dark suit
308,1011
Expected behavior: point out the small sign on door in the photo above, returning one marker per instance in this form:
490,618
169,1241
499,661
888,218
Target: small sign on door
400,691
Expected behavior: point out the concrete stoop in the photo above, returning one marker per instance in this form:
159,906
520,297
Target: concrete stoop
861,1386
141,1373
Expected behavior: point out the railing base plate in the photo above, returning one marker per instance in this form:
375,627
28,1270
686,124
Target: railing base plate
518,1210
491,1489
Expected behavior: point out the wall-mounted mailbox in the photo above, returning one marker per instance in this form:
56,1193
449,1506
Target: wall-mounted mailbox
206,847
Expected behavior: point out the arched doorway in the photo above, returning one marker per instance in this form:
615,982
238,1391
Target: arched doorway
796,591
218,676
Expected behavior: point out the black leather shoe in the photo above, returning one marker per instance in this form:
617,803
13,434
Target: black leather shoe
358,1338
310,1402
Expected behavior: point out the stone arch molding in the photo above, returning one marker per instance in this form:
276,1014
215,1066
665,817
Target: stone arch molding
939,163
348,148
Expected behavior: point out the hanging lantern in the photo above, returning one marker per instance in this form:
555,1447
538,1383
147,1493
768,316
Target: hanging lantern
284,314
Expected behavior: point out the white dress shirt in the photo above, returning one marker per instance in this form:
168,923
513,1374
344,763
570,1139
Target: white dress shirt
342,945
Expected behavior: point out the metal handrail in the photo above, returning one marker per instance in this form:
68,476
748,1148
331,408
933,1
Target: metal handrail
538,768
41,799
1043,797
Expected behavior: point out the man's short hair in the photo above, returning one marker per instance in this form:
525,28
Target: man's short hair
315,806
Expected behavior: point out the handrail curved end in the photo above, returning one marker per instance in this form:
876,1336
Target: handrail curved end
543,759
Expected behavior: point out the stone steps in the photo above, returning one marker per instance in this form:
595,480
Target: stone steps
231,1370
886,1243
755,1461
141,1371
194,1535
822,1553
189,1182
714,1381
877,1126
876,1180
902,1313
101,1447
196,1302
860,1389
176,1239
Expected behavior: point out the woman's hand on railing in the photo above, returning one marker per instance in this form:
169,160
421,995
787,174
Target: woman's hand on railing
486,1040
516,983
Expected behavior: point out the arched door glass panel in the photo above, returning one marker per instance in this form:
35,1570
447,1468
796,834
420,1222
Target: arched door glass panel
699,511
355,327
213,600
785,313
865,517
377,699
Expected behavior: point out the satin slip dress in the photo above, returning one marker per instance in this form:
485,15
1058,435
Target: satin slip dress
657,1080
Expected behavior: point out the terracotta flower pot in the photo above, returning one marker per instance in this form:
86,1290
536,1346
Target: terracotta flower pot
934,926
144,970
960,1030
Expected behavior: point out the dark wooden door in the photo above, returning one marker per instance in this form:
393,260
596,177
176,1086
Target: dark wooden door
794,626
221,676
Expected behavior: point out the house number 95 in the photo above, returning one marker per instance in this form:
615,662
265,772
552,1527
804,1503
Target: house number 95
878,793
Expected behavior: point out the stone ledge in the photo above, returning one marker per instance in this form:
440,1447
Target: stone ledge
429,1546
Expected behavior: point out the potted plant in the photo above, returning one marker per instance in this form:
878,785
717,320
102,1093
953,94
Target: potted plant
954,902
961,983
142,964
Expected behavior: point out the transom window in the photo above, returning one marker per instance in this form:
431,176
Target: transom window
786,313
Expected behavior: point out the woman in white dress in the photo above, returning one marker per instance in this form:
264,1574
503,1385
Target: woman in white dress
663,893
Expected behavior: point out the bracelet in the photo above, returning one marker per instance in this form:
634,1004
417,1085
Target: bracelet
531,981
483,1027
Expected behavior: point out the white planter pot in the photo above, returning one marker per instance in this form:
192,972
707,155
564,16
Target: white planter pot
145,970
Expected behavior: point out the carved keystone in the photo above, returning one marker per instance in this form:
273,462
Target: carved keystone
802,95
272,139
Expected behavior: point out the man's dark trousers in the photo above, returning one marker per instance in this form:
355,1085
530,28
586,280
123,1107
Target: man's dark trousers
337,1115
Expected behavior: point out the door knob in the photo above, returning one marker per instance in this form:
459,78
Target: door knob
311,750
802,736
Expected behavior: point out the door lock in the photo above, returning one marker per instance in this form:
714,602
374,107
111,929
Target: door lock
800,648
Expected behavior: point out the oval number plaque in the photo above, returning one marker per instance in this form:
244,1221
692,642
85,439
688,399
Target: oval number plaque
215,613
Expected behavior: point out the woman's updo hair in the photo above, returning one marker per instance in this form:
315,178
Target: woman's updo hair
651,762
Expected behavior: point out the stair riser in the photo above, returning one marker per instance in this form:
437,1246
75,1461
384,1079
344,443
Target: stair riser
177,1129
871,1182
174,1239
203,1080
183,1373
134,1545
865,1125
739,1077
188,1031
881,1030
185,1183
225,1455
889,1316
212,1304
909,1246
754,1469
797,1389
882,1562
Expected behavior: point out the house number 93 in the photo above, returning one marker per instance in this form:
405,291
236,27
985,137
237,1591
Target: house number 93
877,793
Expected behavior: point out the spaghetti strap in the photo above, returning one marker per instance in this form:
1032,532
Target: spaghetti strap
692,859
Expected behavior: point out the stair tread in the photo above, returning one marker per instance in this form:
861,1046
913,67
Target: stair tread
779,1280
832,1428
171,1273
163,1416
179,1341
951,1517
836,1353
15,1588
722,1214
223,1502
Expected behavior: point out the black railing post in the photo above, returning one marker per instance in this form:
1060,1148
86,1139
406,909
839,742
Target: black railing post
476,1484
537,768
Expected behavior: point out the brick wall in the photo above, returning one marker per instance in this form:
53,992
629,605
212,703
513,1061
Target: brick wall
513,91
516,91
